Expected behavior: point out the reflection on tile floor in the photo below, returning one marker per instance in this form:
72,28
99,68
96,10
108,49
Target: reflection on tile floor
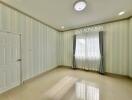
83,90
61,88
68,84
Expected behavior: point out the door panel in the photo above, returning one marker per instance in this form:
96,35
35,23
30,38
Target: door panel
9,66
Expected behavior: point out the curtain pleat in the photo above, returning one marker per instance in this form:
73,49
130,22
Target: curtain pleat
74,50
101,67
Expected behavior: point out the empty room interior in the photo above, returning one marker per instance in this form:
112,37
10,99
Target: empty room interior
65,49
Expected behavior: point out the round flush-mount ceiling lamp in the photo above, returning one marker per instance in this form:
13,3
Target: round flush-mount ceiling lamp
80,5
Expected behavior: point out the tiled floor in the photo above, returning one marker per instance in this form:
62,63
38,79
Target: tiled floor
68,84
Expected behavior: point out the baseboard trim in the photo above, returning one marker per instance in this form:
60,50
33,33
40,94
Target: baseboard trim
25,81
39,75
106,73
68,67
117,75
13,86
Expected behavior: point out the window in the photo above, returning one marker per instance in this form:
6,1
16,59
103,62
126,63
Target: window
87,48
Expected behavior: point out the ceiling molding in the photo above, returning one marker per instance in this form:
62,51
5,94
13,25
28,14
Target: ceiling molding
98,24
60,29
27,15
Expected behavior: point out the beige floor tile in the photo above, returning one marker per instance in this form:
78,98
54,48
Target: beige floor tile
68,84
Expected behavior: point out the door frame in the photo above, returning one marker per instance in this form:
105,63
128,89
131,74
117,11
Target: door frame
20,38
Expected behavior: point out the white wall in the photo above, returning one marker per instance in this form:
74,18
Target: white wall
115,44
39,42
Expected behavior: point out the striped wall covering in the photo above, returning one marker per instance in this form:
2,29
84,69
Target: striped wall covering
66,48
39,42
115,47
130,47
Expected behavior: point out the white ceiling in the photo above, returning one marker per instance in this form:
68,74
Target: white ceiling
57,13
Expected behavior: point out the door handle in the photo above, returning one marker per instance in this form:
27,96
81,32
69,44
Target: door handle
19,59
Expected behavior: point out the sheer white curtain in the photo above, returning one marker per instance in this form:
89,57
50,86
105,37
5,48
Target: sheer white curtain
87,52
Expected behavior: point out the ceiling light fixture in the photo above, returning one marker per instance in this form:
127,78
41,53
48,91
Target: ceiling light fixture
62,27
80,5
121,13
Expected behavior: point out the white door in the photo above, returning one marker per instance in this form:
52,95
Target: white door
9,61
